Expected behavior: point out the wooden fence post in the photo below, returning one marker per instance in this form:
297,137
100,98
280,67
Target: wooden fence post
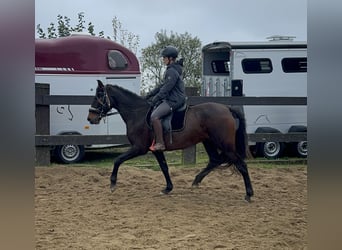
42,125
189,155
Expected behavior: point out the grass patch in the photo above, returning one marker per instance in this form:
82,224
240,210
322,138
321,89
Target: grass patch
105,158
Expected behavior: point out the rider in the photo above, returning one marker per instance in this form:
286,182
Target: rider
168,96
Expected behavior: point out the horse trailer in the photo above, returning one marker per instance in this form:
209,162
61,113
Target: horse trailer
274,68
71,66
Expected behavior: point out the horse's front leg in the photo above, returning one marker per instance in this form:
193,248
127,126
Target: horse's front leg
165,169
131,153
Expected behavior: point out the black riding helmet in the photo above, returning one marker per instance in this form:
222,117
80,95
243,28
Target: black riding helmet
169,51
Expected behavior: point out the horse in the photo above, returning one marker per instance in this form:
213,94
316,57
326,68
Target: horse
221,129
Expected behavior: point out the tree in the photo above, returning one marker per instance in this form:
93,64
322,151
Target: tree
63,28
124,37
189,49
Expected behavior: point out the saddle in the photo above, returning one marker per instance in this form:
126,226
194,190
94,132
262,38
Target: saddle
173,122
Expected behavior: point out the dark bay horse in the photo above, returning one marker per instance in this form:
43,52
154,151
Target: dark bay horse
213,124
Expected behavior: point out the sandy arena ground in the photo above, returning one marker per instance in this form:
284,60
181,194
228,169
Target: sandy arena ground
75,209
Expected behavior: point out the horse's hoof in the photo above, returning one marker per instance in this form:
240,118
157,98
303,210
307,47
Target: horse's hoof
112,188
166,191
195,185
248,199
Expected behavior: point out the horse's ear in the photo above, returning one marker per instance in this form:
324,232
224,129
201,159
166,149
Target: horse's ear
100,84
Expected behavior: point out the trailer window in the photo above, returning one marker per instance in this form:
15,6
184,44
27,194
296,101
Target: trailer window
116,60
256,65
294,65
220,66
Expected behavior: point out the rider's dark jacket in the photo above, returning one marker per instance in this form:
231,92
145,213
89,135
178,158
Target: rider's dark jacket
172,89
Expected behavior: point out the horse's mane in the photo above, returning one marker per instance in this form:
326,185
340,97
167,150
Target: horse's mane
127,92
131,99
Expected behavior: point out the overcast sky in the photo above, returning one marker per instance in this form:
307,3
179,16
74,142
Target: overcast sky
209,20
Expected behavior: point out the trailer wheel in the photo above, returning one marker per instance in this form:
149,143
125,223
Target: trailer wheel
269,149
302,149
299,149
70,153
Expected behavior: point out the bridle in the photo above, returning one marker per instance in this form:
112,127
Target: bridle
104,107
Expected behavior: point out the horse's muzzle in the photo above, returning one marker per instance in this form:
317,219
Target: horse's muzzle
93,120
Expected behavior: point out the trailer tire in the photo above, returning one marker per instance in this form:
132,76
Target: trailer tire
300,148
269,149
70,153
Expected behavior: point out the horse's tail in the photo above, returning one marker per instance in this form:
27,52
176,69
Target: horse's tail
241,139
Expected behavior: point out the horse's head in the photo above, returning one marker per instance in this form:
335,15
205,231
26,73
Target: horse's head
100,105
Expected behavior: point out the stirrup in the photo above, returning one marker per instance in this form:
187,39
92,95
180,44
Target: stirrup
157,146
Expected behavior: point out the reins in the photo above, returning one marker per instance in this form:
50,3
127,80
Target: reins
114,113
104,101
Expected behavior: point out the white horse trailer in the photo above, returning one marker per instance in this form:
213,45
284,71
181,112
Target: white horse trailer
72,65
274,68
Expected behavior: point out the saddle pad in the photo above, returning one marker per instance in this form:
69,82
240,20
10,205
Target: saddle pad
177,122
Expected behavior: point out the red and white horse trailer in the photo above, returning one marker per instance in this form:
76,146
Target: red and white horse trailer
72,65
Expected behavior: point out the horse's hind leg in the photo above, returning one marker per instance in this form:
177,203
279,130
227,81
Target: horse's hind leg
165,169
204,173
214,161
241,165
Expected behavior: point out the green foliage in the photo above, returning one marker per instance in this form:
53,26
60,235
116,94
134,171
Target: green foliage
91,28
64,28
124,37
189,49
